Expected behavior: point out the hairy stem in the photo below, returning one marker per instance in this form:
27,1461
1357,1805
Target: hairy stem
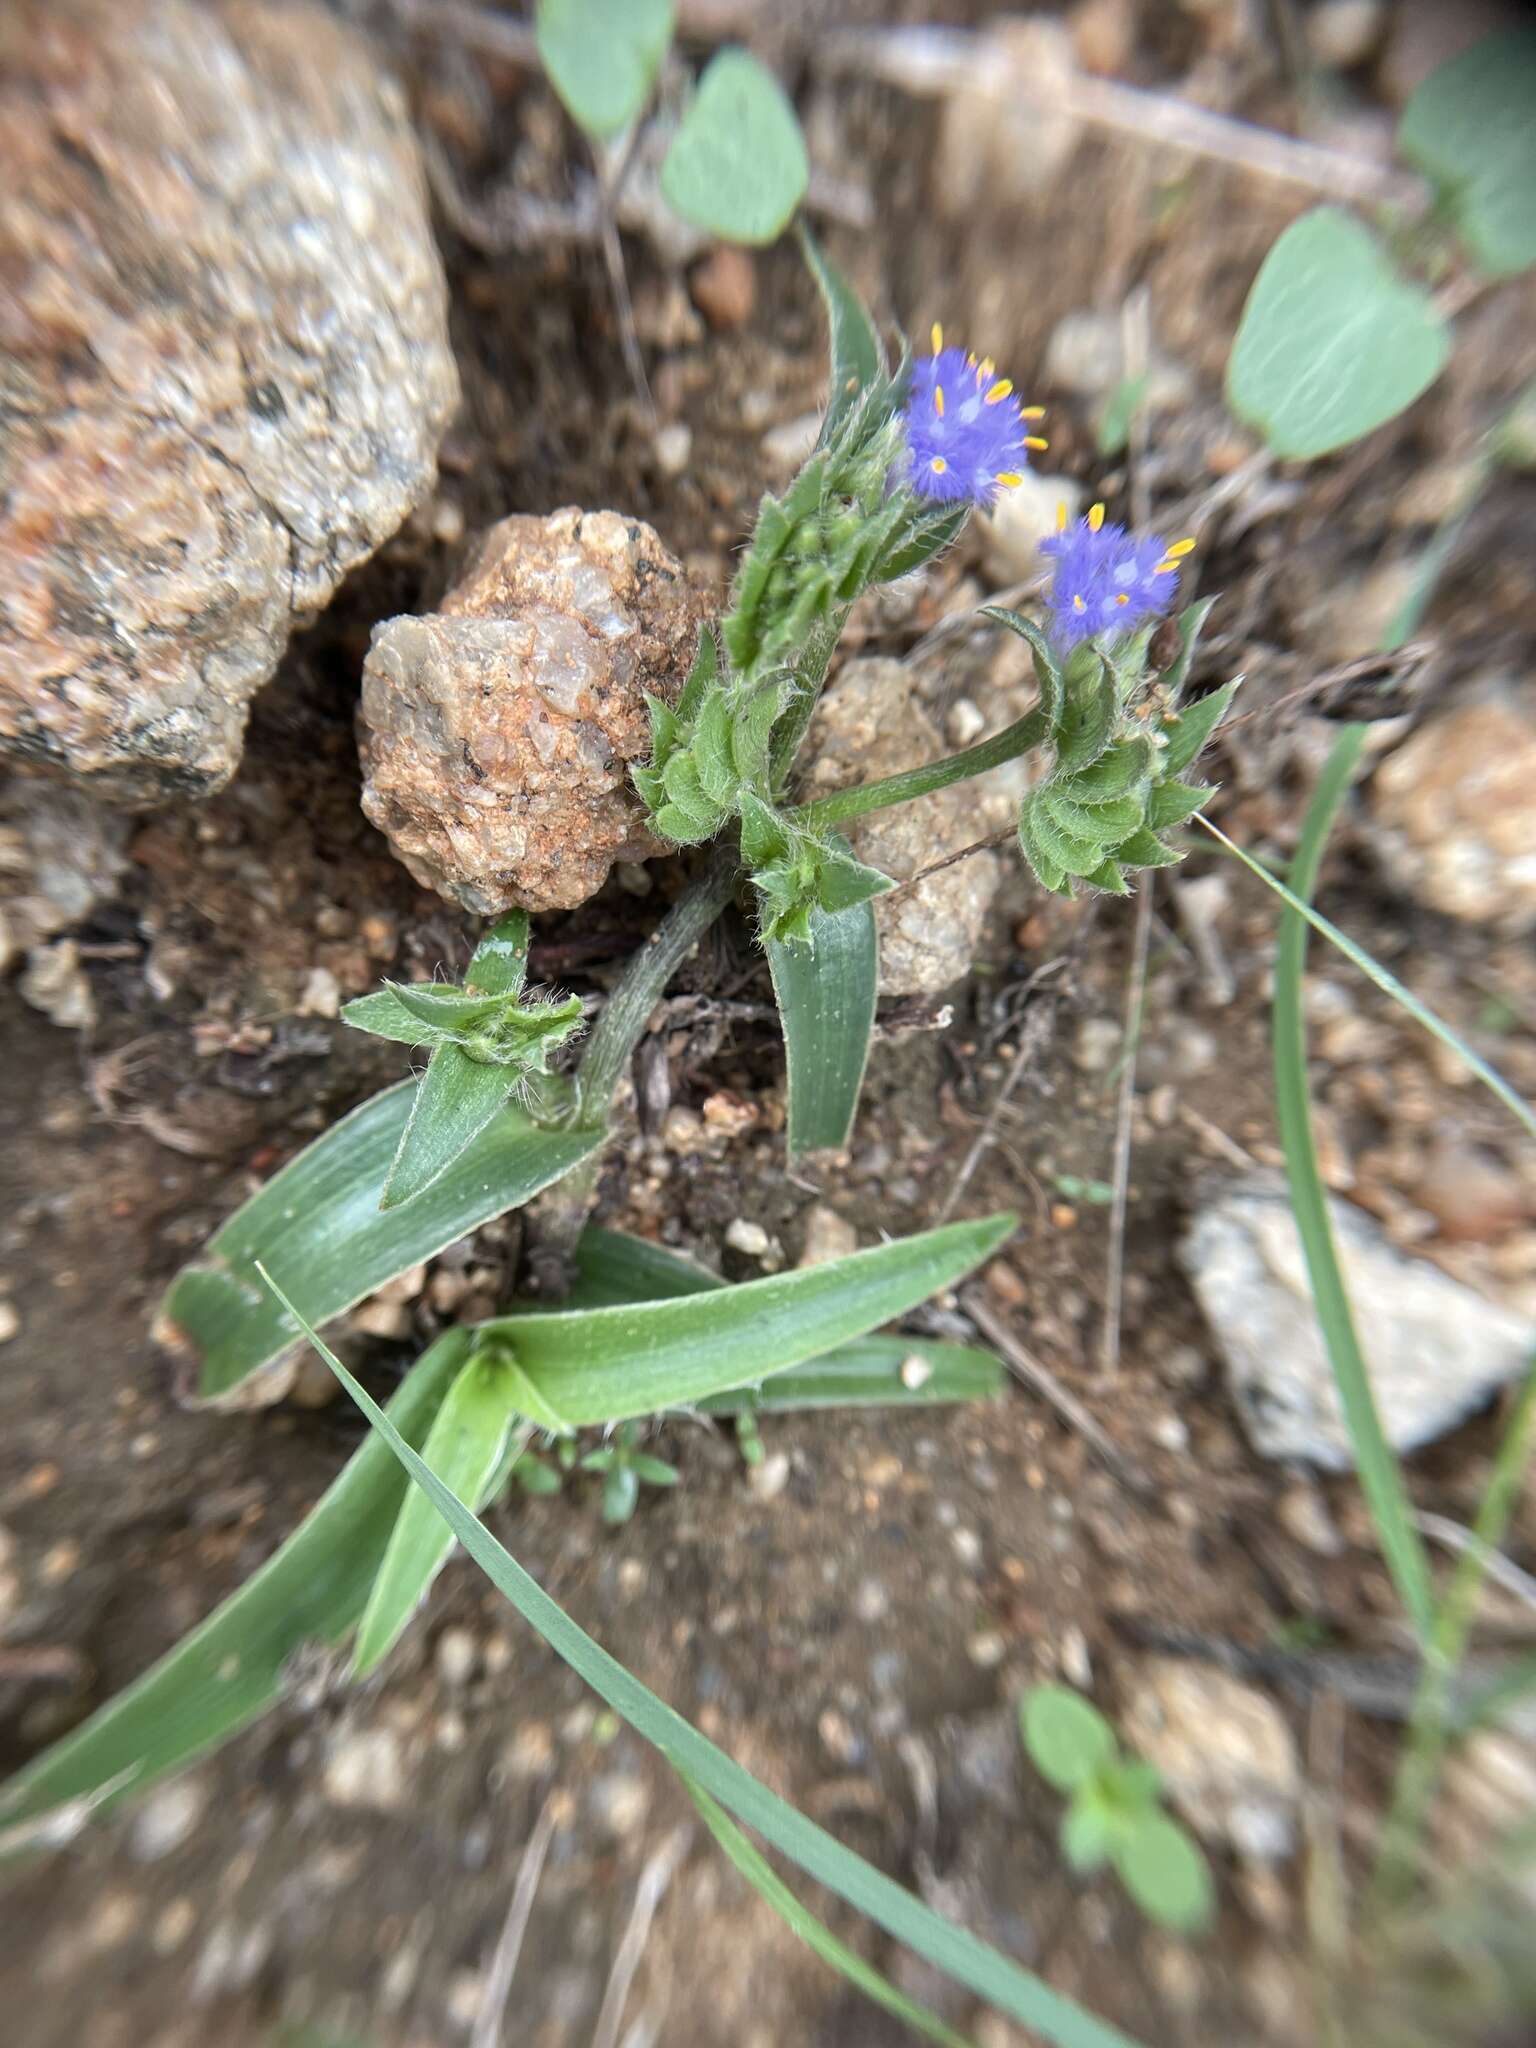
1013,740
810,676
622,1024
556,1219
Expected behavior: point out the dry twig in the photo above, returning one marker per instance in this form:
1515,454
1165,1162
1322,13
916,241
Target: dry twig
1135,994
498,1985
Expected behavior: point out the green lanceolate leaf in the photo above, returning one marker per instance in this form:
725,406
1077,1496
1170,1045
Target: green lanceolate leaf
737,165
1163,1869
1187,735
455,1099
1191,623
602,57
981,1969
712,751
1469,128
867,1372
1088,713
918,540
1067,1738
751,731
1332,341
701,678
385,1016
666,730
1121,769
455,1009
1144,850
764,835
1171,803
608,1365
466,1447
1071,855
318,1224
1108,878
857,356
826,996
1047,667
231,1668
499,964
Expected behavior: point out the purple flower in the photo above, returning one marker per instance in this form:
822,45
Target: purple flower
1106,580
966,432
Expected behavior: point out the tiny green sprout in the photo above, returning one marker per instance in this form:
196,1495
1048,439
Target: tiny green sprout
487,1039
1115,1813
625,1470
1097,1194
749,1438
535,1475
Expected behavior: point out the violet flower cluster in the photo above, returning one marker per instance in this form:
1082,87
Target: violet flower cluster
967,434
1105,579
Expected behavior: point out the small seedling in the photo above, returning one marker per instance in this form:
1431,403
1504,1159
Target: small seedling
625,1469
1115,1810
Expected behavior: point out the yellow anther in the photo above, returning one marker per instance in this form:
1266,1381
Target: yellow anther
1078,605
999,391
1010,477
938,400
936,336
986,370
1165,569
1034,441
970,358
938,465
1095,517
1061,518
1032,412
1181,547
1122,598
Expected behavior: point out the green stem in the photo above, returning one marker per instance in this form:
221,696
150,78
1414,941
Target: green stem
622,1024
1006,745
1429,1723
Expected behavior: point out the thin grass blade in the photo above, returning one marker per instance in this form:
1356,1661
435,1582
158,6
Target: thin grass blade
1381,1477
984,1970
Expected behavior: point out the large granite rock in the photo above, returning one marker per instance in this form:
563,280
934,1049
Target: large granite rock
224,367
496,734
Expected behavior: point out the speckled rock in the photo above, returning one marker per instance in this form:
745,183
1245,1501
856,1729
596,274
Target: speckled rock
224,365
871,724
1435,1349
497,734
60,855
1455,819
1227,1758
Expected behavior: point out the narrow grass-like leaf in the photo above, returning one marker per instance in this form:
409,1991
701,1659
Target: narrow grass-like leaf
612,1364
455,1099
230,1669
466,1448
1381,1477
318,1224
826,995
773,1891
384,1015
1389,985
857,357
982,1969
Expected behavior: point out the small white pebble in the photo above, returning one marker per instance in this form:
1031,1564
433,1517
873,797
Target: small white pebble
673,446
10,1321
768,1480
1171,1433
967,1546
987,1649
915,1372
748,1238
966,722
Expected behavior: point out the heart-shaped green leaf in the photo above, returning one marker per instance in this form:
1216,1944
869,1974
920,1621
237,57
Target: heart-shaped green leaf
737,165
1332,341
602,56
1471,128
